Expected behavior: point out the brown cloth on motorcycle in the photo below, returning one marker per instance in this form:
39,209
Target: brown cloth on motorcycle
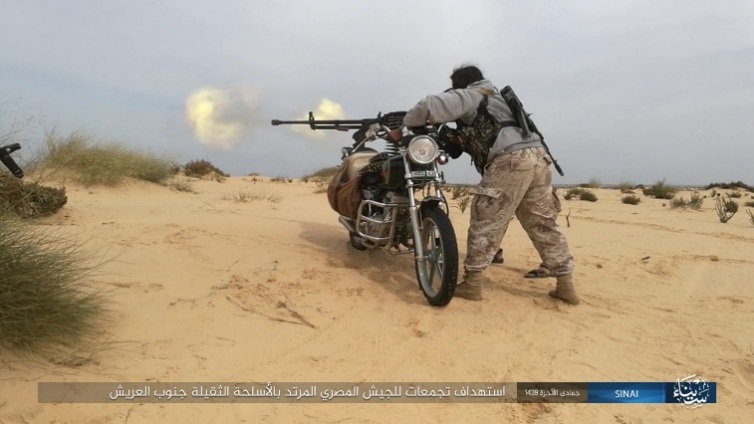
345,196
344,193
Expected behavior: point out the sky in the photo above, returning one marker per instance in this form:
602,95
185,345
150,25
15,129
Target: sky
623,91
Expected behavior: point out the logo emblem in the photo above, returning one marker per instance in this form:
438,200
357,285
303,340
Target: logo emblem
691,390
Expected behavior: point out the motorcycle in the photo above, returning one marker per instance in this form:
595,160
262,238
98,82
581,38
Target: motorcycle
390,215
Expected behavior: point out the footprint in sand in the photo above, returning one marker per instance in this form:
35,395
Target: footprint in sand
419,328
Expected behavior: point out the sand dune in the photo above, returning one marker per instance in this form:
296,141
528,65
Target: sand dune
208,289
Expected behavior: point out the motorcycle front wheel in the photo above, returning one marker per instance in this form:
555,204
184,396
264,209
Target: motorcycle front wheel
438,273
356,241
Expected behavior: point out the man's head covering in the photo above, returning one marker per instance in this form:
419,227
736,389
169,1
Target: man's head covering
465,75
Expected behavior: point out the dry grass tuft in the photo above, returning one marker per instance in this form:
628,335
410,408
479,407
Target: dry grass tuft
46,298
80,158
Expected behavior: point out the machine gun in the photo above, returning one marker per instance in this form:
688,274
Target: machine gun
6,158
525,122
335,124
391,120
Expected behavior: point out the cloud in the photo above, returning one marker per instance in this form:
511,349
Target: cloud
220,117
326,110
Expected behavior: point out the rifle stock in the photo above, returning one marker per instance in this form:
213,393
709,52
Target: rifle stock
524,120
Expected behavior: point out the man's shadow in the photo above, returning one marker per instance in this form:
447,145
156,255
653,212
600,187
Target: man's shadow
394,273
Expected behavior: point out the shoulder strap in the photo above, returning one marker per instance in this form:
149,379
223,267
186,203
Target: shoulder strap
482,109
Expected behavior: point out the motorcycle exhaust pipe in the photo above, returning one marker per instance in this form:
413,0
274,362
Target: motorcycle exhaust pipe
347,223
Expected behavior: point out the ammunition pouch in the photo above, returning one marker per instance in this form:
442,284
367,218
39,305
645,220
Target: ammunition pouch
480,135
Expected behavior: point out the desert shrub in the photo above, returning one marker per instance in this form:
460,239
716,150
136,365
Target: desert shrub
592,183
214,176
588,196
573,191
459,191
678,202
696,201
244,196
751,216
29,200
45,298
735,194
182,184
625,187
201,168
660,190
581,193
726,208
281,180
174,168
463,202
85,161
713,193
749,204
326,173
321,187
631,200
731,185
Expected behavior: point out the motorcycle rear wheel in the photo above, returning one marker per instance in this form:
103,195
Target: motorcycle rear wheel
438,274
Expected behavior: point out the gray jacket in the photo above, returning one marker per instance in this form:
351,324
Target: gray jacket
462,104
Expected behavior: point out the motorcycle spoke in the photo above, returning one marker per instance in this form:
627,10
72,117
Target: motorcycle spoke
439,263
435,260
431,274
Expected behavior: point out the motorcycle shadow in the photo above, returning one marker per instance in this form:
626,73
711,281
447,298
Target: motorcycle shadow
395,274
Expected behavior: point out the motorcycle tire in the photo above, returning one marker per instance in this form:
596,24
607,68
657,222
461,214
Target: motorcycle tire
438,240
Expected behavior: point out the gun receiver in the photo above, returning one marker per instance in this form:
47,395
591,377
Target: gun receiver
524,120
336,124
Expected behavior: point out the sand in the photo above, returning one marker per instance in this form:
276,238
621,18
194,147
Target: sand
205,289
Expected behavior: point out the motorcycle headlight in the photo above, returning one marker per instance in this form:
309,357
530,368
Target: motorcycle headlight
422,150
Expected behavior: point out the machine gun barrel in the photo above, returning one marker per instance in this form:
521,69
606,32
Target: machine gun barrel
329,124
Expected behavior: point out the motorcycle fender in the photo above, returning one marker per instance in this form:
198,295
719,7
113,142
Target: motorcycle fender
430,202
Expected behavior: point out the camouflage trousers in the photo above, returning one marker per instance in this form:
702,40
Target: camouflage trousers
517,183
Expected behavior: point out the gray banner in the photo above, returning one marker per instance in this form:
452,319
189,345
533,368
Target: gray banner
286,392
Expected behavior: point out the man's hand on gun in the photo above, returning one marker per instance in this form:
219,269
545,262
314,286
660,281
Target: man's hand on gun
395,136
